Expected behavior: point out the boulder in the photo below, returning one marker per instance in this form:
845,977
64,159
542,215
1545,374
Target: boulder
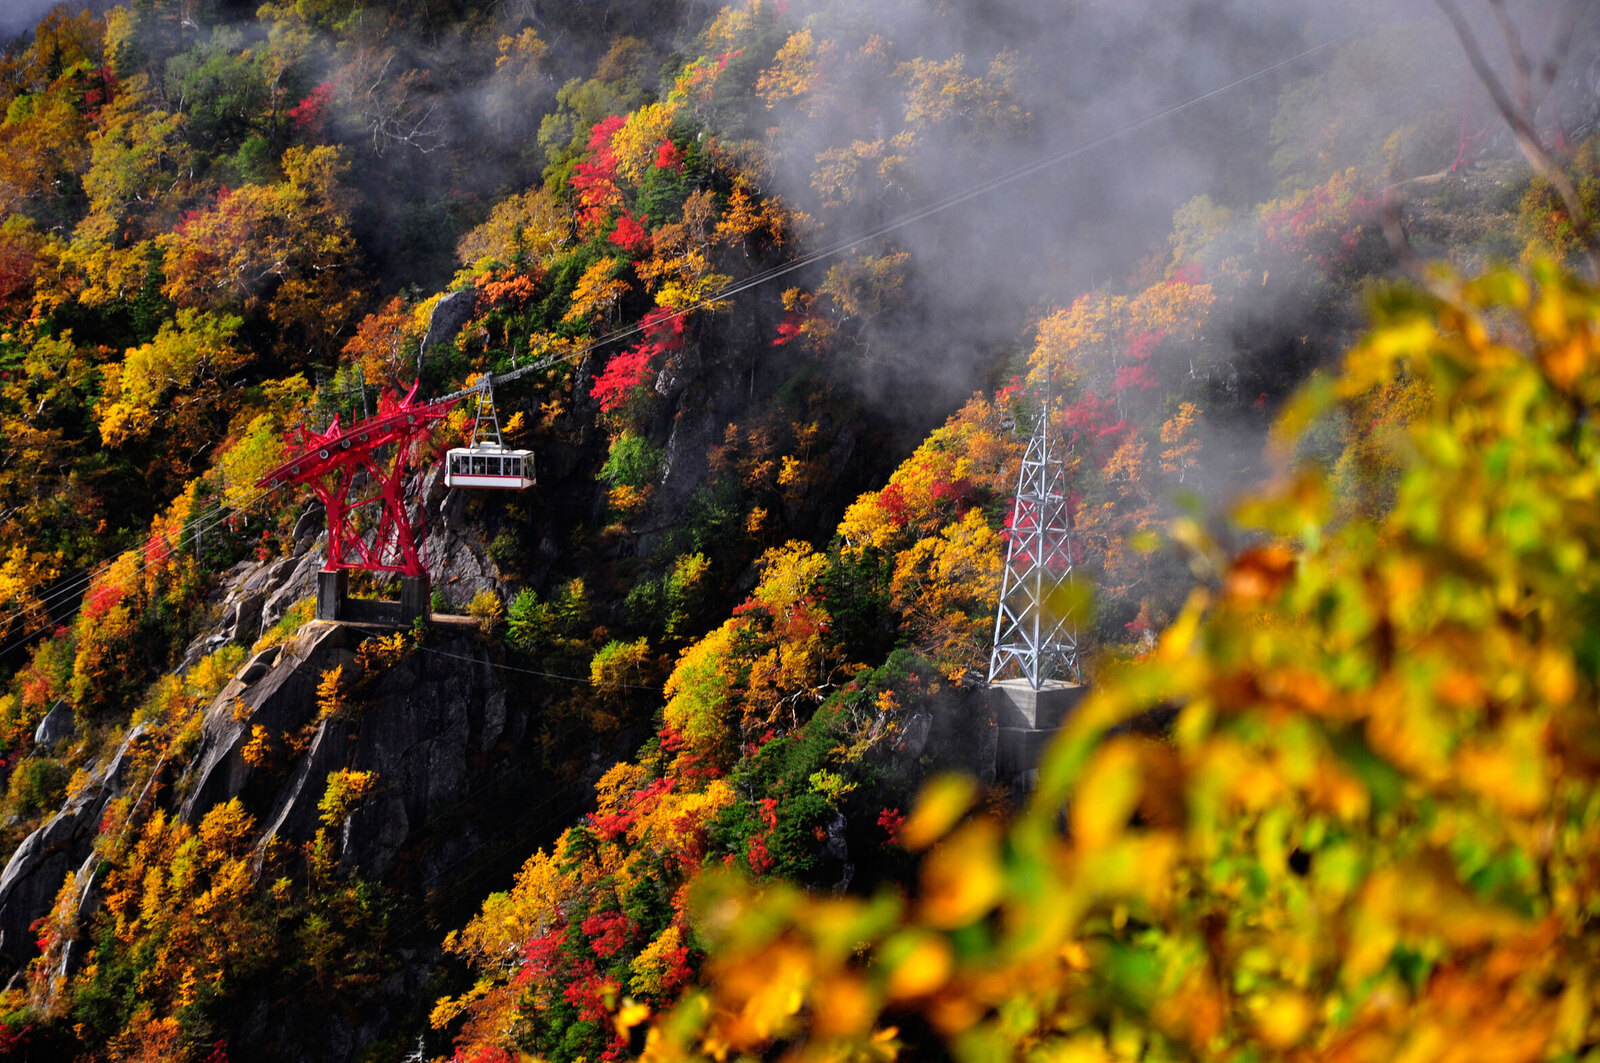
58,725
449,314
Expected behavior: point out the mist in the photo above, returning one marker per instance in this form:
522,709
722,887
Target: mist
1143,105
18,17
1084,74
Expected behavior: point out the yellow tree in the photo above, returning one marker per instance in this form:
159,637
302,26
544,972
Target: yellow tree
283,249
137,159
597,293
1370,832
520,231
173,381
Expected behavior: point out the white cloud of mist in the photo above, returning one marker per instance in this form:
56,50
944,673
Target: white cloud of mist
1390,96
18,17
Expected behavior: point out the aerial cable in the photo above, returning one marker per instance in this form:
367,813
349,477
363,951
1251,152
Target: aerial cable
922,213
586,680
211,518
62,591
811,258
205,521
419,906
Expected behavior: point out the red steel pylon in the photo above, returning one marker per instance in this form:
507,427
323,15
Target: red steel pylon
333,462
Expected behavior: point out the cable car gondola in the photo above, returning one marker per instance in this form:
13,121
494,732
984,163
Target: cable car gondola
488,463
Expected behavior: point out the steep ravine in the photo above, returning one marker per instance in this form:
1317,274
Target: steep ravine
458,753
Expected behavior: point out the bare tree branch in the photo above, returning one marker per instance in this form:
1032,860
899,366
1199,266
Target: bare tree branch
1560,45
1522,126
1520,67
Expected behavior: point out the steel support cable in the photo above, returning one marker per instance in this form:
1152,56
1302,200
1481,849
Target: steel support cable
205,521
922,213
510,766
63,590
420,905
209,519
849,243
833,250
547,675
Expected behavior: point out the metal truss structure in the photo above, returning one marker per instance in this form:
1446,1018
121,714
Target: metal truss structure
1034,633
349,475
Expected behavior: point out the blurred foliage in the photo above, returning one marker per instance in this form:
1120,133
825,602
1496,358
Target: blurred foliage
1371,831
205,212
1544,221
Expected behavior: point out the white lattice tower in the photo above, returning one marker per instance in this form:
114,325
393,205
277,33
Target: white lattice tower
1034,634
486,424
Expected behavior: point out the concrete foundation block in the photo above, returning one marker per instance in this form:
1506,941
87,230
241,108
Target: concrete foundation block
1018,749
1017,704
416,598
333,592
334,601
1025,721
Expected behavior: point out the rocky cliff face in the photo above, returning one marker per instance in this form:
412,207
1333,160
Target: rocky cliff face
435,722
35,872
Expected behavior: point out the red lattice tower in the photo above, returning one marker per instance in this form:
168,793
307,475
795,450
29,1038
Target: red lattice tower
337,463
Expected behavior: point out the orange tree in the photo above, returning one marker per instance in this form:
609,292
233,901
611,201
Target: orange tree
1370,832
770,740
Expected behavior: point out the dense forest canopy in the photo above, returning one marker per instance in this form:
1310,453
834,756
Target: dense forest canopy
1303,291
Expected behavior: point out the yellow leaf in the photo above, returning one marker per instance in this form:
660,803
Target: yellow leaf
943,801
630,1015
1107,795
962,879
1283,1019
1510,769
843,1006
917,965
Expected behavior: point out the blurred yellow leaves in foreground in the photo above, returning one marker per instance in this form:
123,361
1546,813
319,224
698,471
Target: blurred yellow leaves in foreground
1373,830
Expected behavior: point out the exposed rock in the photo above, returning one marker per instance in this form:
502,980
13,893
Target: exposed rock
449,314
276,689
299,582
36,870
252,598
311,524
837,849
914,737
460,569
683,470
418,738
953,730
58,724
419,727
494,720
687,454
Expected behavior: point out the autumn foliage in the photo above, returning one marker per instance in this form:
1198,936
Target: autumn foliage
1330,797
1337,852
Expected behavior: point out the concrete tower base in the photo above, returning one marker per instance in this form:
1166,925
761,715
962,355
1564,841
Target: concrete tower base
334,601
1027,719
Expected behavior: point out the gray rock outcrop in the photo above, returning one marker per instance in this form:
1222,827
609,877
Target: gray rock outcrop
276,689
34,874
449,314
58,725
